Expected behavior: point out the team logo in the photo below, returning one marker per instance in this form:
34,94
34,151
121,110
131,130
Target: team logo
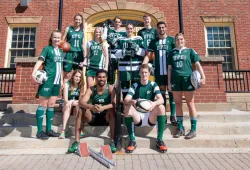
46,89
101,100
190,87
148,92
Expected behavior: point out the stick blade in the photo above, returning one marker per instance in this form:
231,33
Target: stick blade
106,151
83,149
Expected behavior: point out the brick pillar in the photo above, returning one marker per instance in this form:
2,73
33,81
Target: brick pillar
24,88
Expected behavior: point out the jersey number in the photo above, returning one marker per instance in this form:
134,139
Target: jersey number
179,64
76,43
95,52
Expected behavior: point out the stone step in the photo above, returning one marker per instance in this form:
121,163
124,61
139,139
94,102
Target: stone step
22,119
201,141
206,128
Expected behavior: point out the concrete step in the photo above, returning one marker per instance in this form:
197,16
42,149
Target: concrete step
201,141
205,128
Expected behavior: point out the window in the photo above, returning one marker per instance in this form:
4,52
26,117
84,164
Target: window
219,44
23,43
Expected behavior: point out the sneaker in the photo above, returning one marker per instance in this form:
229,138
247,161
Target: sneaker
42,136
82,134
52,133
190,135
161,145
112,146
173,120
180,132
73,147
62,135
131,146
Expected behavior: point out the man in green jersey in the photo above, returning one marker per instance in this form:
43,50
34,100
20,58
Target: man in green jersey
161,47
145,89
98,112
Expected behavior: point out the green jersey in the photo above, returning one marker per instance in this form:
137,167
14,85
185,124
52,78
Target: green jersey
147,35
96,57
161,48
128,63
113,35
148,92
53,59
75,95
102,99
181,61
74,38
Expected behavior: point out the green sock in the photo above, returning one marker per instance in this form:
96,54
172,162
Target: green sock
39,118
179,122
160,126
172,104
130,126
49,118
193,121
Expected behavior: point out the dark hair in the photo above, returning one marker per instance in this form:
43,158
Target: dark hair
161,22
50,38
81,25
145,66
116,17
101,71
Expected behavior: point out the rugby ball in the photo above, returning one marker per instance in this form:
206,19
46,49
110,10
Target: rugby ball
41,76
143,105
195,79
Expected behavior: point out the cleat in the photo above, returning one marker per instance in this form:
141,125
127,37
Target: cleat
173,120
52,133
112,146
42,136
190,135
161,145
180,132
62,135
74,147
131,146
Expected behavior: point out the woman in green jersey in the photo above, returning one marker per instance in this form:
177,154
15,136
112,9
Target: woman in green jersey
97,56
74,35
180,62
71,96
51,57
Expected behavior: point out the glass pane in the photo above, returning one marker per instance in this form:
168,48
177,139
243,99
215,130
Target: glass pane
222,36
216,52
21,30
228,43
229,59
25,53
210,52
230,66
222,43
229,51
221,30
15,30
216,37
210,44
227,30
32,37
32,45
26,45
222,52
20,37
13,45
31,53
224,66
12,59
20,45
13,53
215,29
19,52
12,65
216,44
225,58
27,30
14,37
209,30
210,36
227,36
26,38
33,30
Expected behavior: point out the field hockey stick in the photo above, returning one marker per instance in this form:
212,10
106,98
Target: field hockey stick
83,65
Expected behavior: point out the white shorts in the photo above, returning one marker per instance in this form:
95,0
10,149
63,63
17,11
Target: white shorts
144,118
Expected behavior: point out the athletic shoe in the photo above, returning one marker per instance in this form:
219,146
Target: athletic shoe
173,120
112,146
180,132
52,133
42,136
131,146
190,135
62,135
82,134
73,147
161,145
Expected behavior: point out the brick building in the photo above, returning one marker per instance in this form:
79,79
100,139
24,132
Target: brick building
219,30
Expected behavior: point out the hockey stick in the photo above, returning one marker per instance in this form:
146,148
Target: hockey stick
83,65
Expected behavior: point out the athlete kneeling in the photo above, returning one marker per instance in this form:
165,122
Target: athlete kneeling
148,90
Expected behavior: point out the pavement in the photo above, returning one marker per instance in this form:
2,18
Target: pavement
173,161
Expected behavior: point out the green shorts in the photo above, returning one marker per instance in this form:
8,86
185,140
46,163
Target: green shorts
72,56
48,90
181,83
91,73
161,80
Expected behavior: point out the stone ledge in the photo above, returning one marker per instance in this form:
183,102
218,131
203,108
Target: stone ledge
23,20
26,60
217,19
212,59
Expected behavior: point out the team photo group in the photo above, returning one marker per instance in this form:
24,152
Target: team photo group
116,64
